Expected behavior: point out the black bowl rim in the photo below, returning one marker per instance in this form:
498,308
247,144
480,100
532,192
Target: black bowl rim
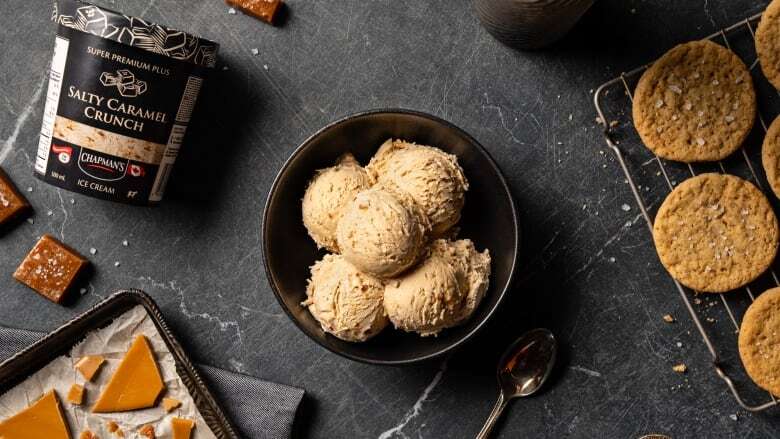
459,342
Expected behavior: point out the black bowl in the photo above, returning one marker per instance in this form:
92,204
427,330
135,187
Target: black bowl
489,219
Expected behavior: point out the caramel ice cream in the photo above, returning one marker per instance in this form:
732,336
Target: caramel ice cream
433,178
327,196
442,292
473,266
382,232
346,302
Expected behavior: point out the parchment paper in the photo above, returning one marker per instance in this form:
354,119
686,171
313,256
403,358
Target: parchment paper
112,342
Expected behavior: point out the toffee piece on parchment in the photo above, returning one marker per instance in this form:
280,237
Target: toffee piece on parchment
263,10
12,202
51,268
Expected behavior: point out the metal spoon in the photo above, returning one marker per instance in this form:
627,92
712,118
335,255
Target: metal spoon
523,368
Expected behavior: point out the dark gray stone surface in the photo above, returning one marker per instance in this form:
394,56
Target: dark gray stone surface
199,253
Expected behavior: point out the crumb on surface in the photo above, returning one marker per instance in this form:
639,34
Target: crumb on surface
680,368
668,318
147,431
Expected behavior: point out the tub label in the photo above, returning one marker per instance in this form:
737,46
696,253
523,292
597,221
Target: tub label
115,117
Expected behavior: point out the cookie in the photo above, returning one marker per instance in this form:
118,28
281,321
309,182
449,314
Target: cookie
768,43
770,156
759,341
696,103
715,233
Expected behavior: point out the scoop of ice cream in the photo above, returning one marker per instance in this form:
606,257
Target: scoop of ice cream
442,292
473,267
427,299
327,195
346,302
433,178
382,232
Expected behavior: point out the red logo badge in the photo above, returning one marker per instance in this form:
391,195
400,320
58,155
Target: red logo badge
63,153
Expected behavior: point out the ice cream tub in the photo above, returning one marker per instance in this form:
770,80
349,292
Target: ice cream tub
121,95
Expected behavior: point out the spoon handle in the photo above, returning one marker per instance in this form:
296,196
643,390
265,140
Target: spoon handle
494,415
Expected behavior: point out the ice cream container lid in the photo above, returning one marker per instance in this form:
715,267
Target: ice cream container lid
135,32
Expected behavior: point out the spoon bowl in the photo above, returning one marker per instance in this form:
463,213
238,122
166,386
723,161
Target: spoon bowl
527,363
522,371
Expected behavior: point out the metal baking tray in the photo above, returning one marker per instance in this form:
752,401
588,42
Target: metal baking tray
716,317
59,342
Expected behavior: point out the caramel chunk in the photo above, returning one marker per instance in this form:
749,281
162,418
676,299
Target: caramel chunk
86,434
112,426
12,203
51,268
43,419
264,10
89,365
147,431
182,428
136,383
169,404
76,394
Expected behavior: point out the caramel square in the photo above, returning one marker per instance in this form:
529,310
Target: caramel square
264,10
76,394
12,202
51,268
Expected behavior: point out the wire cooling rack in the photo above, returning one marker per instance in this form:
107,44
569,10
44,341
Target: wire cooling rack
716,316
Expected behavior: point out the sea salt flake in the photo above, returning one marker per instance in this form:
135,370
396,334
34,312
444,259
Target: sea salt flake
659,103
255,51
729,118
625,207
715,82
232,11
675,88
92,251
700,141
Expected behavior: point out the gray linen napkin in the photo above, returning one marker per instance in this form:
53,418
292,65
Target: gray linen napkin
259,409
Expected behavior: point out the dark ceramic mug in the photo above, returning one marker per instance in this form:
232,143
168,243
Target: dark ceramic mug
530,24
